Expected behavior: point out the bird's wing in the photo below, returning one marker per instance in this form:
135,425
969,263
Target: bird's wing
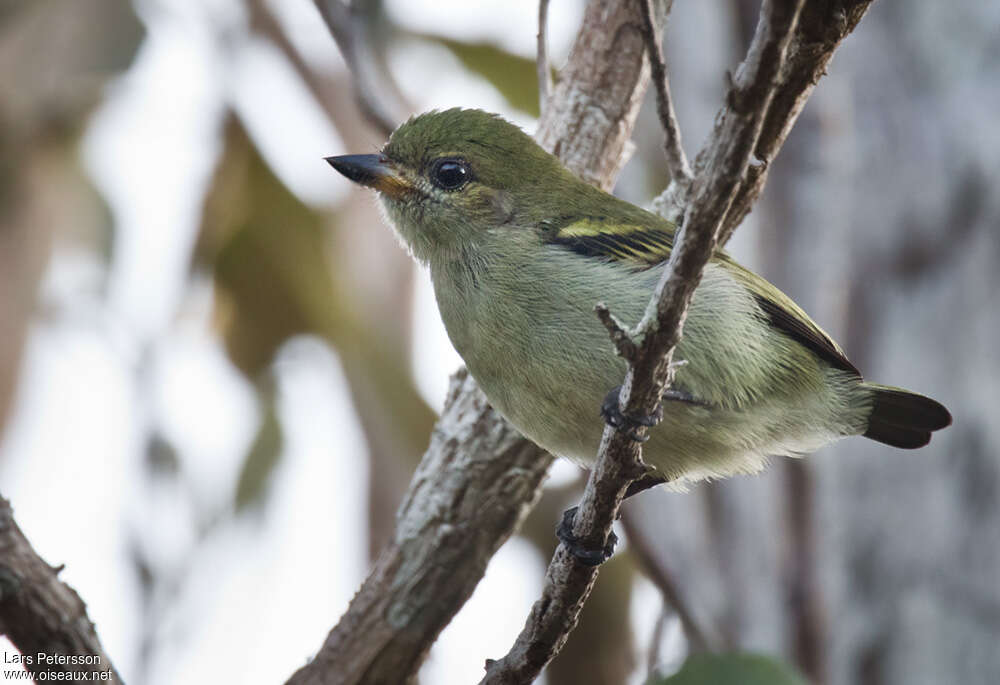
786,316
632,244
644,244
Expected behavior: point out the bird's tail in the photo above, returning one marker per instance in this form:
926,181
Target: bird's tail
902,418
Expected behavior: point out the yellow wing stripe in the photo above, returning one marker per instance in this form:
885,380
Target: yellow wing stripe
583,228
634,244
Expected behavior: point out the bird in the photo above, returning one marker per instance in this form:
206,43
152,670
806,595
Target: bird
520,250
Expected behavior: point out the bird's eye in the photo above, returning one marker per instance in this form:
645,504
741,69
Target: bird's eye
450,174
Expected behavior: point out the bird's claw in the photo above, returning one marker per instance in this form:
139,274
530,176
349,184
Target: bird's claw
588,556
629,423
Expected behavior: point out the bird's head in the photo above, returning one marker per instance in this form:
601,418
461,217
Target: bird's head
447,179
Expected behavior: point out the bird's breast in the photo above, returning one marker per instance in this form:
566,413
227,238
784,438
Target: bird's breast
534,346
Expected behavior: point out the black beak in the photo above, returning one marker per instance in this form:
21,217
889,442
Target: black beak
374,171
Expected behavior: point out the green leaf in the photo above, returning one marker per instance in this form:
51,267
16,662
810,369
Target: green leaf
268,255
262,459
514,76
732,669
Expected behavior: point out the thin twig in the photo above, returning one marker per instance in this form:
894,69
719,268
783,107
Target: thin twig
653,657
699,639
265,23
350,31
619,461
623,343
819,33
544,71
680,170
804,598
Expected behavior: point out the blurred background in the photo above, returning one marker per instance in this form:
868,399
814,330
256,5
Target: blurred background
218,369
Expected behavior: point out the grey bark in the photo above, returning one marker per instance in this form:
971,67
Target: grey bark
42,615
475,483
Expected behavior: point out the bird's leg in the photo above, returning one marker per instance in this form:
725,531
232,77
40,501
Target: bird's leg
588,556
674,395
615,417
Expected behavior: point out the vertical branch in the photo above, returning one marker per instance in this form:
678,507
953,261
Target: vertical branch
350,31
594,104
807,620
544,70
699,639
680,169
823,26
653,658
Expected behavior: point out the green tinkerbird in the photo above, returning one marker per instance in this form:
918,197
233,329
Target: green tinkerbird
520,250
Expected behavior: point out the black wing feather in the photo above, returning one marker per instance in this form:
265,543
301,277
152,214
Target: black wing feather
806,336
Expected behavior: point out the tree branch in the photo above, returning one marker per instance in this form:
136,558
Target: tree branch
349,28
680,170
41,614
542,62
594,104
477,480
699,639
820,30
568,581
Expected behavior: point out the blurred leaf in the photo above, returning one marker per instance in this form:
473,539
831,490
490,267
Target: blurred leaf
268,254
264,455
514,76
274,278
732,669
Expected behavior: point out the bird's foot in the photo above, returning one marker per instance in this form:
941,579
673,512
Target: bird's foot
674,395
614,416
630,423
588,556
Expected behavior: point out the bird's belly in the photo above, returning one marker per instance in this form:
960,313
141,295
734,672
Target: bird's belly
534,397
546,365
690,444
